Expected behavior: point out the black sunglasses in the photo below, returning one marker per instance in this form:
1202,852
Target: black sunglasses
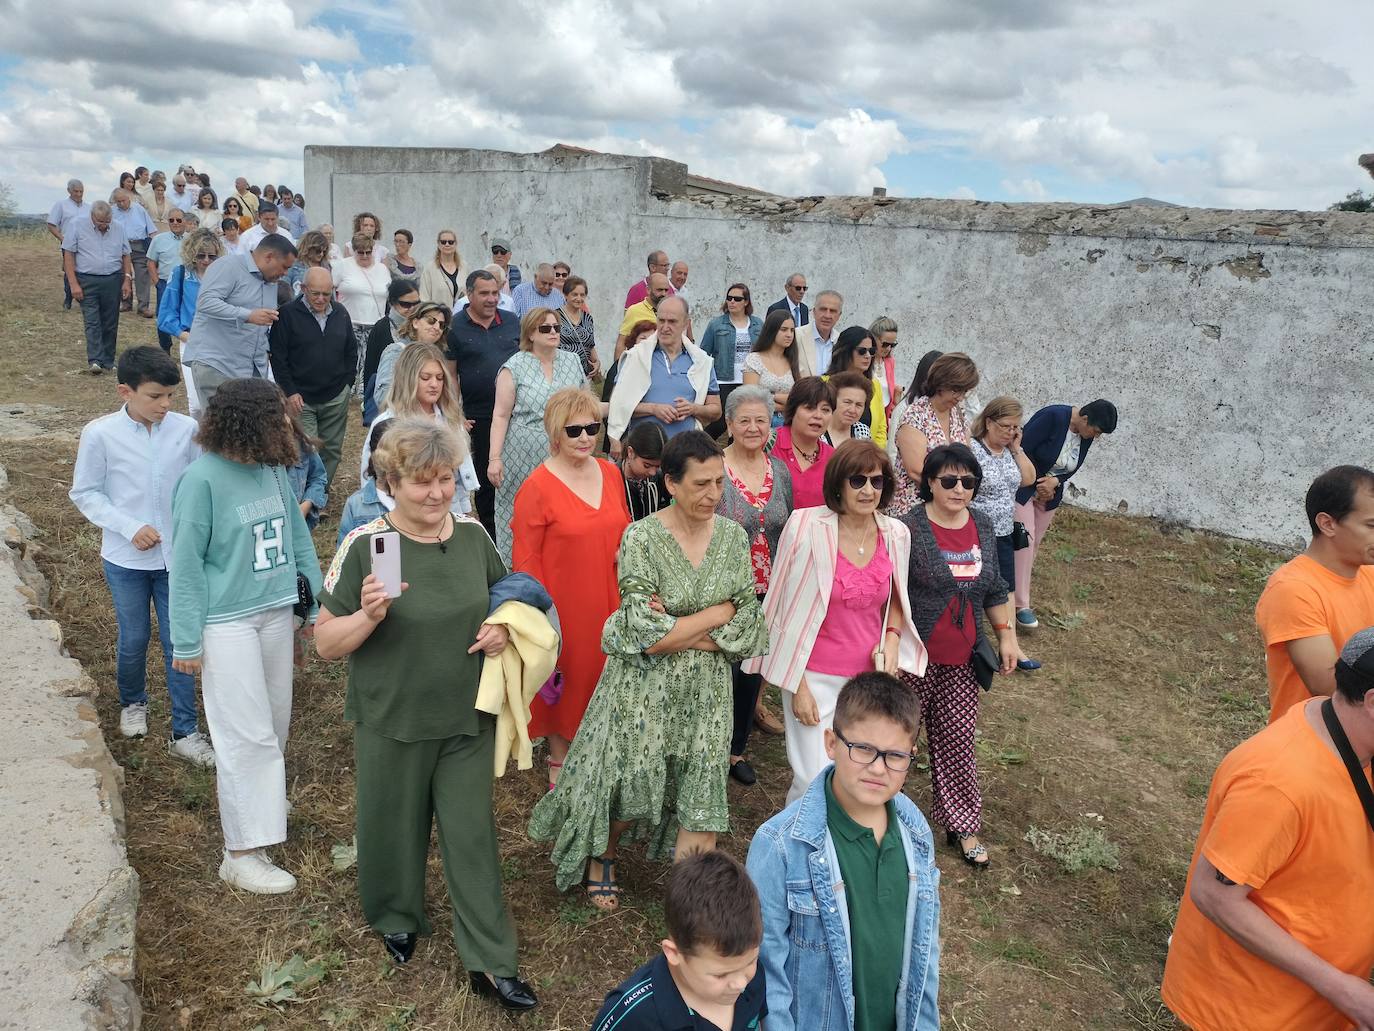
499,250
878,481
211,256
967,482
368,251
732,297
448,243
550,327
863,350
403,303
576,430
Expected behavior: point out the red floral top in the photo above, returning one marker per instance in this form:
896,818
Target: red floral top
758,547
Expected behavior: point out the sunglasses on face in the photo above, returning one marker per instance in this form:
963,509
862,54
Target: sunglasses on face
176,222
547,328
368,251
863,350
499,250
967,482
877,481
732,297
447,243
403,303
560,275
207,257
574,431
434,320
797,289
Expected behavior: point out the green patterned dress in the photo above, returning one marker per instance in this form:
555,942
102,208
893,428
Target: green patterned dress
654,745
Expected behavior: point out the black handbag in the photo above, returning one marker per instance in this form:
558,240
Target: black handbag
1020,537
305,597
984,659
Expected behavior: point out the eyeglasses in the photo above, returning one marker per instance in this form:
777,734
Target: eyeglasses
576,430
798,289
560,275
435,320
878,481
863,350
403,303
732,297
499,250
447,243
892,346
867,755
967,482
176,221
551,327
210,256
367,251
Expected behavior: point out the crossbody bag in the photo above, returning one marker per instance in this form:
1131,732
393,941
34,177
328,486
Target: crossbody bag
1352,764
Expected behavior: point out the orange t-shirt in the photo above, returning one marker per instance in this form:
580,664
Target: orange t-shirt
1305,599
1282,817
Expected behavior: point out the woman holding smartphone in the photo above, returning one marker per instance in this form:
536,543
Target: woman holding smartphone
422,750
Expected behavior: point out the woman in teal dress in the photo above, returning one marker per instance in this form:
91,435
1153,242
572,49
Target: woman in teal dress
519,441
651,756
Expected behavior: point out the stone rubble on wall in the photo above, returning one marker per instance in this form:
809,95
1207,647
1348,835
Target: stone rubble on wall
68,896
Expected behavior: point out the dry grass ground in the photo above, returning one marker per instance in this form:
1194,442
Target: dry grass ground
1152,671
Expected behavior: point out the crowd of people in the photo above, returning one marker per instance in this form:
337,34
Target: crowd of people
637,544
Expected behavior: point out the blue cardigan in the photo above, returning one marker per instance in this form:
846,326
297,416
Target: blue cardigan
178,305
718,340
1042,440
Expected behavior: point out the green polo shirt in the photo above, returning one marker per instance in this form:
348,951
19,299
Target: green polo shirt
875,890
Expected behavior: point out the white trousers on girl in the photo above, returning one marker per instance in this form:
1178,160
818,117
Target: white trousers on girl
806,745
246,683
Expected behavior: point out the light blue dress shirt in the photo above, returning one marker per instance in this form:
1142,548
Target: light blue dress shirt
294,218
123,481
526,298
221,335
135,222
64,211
97,253
165,249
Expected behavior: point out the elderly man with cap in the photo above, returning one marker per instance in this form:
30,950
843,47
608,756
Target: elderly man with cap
268,225
100,273
500,255
314,355
1274,930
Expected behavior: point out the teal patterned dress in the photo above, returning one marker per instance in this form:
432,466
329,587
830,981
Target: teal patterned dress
654,745
526,442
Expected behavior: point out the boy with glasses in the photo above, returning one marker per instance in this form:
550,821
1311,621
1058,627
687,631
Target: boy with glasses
852,863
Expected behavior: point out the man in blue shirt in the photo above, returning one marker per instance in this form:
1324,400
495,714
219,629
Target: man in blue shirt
665,380
69,207
292,217
540,294
139,231
99,272
164,255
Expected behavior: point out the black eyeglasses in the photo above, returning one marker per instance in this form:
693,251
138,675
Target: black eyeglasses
967,482
403,303
732,297
448,243
878,481
576,430
867,755
863,350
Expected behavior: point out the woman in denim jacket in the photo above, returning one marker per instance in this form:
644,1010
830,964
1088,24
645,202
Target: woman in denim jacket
838,952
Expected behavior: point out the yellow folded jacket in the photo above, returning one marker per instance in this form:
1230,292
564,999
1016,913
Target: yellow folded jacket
512,679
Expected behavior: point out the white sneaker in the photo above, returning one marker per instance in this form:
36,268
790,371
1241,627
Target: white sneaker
133,720
256,873
193,748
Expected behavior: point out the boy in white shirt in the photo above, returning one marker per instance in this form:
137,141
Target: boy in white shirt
127,465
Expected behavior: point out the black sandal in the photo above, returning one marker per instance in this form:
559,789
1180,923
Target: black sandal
976,857
603,893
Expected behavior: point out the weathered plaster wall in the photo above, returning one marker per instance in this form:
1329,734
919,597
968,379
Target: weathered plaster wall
1236,344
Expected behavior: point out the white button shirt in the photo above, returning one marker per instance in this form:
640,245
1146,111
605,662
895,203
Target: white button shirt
124,478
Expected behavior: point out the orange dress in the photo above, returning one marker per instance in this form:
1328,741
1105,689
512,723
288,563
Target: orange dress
570,548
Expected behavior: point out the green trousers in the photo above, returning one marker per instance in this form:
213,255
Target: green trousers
402,786
328,422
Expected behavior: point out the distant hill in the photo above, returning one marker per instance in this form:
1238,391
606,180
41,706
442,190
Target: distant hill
1147,202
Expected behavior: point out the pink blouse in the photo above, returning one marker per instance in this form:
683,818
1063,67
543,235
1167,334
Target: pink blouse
853,624
807,484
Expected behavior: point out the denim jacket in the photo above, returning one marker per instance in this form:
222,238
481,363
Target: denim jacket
806,951
718,340
308,483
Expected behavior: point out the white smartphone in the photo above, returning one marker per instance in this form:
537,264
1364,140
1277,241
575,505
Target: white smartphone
386,561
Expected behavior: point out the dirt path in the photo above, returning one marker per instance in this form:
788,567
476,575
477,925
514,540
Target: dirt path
1152,670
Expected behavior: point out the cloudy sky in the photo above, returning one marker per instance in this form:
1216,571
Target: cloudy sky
1229,103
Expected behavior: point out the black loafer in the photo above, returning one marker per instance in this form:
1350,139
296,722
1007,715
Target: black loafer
744,773
400,944
511,992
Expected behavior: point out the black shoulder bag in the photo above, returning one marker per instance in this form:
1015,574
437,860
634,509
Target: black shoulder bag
305,597
1352,765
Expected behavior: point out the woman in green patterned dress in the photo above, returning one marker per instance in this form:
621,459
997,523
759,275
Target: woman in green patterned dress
519,442
651,756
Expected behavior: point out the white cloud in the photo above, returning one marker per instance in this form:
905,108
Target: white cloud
963,193
1025,189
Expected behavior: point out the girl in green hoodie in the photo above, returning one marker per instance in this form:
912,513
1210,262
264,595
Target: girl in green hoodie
238,542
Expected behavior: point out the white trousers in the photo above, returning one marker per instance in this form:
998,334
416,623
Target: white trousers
246,683
806,745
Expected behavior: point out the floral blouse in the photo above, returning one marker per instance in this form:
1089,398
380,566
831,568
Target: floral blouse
921,416
759,558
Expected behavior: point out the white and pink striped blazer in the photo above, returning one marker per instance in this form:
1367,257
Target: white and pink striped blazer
799,594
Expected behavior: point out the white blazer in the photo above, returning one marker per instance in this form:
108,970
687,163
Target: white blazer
799,594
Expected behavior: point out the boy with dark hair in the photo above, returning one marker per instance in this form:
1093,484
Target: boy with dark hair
127,465
847,880
1314,602
708,977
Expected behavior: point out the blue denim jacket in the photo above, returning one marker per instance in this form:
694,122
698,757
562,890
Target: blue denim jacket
308,484
718,340
361,508
806,949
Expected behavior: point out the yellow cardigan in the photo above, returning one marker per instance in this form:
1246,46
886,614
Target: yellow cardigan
512,679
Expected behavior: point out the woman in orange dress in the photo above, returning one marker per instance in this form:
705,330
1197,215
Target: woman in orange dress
569,516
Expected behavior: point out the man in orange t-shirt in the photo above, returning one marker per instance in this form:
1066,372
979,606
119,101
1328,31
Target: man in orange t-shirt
1311,605
1276,928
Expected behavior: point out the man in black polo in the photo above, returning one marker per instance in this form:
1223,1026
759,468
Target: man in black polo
314,357
482,337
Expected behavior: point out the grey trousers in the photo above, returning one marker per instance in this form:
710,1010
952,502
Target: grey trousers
207,380
142,285
100,309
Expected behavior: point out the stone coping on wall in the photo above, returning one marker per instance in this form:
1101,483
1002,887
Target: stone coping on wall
68,897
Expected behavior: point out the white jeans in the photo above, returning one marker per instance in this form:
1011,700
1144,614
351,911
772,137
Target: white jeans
806,745
246,683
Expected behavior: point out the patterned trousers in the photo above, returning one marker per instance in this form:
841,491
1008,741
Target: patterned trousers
949,709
